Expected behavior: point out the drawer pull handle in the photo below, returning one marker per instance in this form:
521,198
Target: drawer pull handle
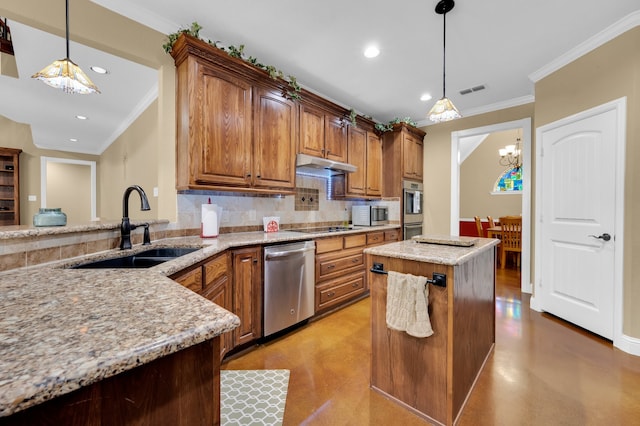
355,260
354,285
331,294
331,266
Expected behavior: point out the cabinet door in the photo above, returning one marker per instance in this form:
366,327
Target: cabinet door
357,155
217,288
335,138
374,165
412,156
274,141
247,294
223,105
311,131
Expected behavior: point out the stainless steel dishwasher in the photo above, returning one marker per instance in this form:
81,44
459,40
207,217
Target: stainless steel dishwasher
289,274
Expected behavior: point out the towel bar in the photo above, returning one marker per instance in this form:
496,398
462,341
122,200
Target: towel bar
437,279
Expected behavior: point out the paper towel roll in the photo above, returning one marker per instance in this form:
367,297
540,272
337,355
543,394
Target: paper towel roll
209,224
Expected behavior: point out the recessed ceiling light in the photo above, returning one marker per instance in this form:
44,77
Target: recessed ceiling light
73,139
81,117
425,97
99,70
371,52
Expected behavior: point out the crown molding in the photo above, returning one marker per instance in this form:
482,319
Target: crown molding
623,25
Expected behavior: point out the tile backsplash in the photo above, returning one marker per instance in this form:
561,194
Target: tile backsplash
245,212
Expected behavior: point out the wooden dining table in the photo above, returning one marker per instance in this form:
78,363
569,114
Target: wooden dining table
494,232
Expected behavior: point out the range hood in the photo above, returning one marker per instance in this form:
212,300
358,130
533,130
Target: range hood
316,166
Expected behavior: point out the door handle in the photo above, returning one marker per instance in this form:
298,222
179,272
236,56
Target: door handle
603,237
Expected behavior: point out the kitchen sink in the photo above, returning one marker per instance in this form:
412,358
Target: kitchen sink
144,259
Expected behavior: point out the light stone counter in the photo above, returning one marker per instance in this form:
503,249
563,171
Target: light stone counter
434,253
61,329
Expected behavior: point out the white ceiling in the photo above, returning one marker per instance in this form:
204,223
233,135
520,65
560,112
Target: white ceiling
504,45
126,91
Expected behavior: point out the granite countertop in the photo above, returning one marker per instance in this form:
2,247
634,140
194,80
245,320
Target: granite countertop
61,329
440,253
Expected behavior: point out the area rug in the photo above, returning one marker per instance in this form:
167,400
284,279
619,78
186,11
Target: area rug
253,397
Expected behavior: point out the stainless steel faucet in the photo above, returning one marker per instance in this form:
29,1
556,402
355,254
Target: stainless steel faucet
126,227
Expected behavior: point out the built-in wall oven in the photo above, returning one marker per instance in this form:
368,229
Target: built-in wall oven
412,216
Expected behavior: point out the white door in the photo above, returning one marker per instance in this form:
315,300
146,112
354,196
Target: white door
578,176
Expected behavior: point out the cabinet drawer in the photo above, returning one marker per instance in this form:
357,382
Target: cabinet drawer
326,245
330,266
191,279
215,269
375,238
351,241
391,235
339,290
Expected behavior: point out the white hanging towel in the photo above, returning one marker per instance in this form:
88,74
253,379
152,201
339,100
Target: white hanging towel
407,304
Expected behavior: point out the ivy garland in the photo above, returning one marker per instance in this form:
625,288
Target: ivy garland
237,52
389,126
294,88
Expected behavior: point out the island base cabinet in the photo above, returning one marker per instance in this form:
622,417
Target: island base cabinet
433,376
182,388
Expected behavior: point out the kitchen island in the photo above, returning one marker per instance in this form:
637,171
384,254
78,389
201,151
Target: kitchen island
107,347
433,376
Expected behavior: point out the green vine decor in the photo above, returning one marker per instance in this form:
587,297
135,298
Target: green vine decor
238,52
352,117
389,126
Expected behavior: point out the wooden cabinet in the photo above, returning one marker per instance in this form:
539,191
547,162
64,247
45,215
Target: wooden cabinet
374,165
235,130
357,156
247,294
364,150
403,153
412,152
340,268
210,279
9,186
339,271
218,289
274,140
322,133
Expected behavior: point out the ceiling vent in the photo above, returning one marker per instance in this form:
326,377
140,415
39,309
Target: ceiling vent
473,89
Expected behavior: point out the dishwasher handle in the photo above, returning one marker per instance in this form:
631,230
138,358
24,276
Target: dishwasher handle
280,254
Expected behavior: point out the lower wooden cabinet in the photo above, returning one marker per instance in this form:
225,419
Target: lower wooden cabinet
247,293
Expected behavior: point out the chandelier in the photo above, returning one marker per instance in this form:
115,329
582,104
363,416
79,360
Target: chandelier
64,74
444,110
510,155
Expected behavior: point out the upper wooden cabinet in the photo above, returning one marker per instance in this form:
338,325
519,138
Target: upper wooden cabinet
322,133
412,152
365,152
274,140
235,129
374,165
403,153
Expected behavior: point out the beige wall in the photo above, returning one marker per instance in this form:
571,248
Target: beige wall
75,201
18,135
147,147
437,162
607,73
478,174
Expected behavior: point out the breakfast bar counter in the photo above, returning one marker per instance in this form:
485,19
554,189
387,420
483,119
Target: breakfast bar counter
433,376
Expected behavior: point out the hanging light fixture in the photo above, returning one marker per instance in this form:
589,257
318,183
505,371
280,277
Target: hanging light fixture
510,155
64,74
444,110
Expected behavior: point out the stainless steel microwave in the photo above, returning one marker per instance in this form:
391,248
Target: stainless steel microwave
369,215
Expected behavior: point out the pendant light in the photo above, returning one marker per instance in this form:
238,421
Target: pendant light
444,110
64,74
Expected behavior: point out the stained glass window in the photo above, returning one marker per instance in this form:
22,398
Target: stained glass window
509,181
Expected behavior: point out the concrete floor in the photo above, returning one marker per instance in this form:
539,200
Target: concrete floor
543,371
